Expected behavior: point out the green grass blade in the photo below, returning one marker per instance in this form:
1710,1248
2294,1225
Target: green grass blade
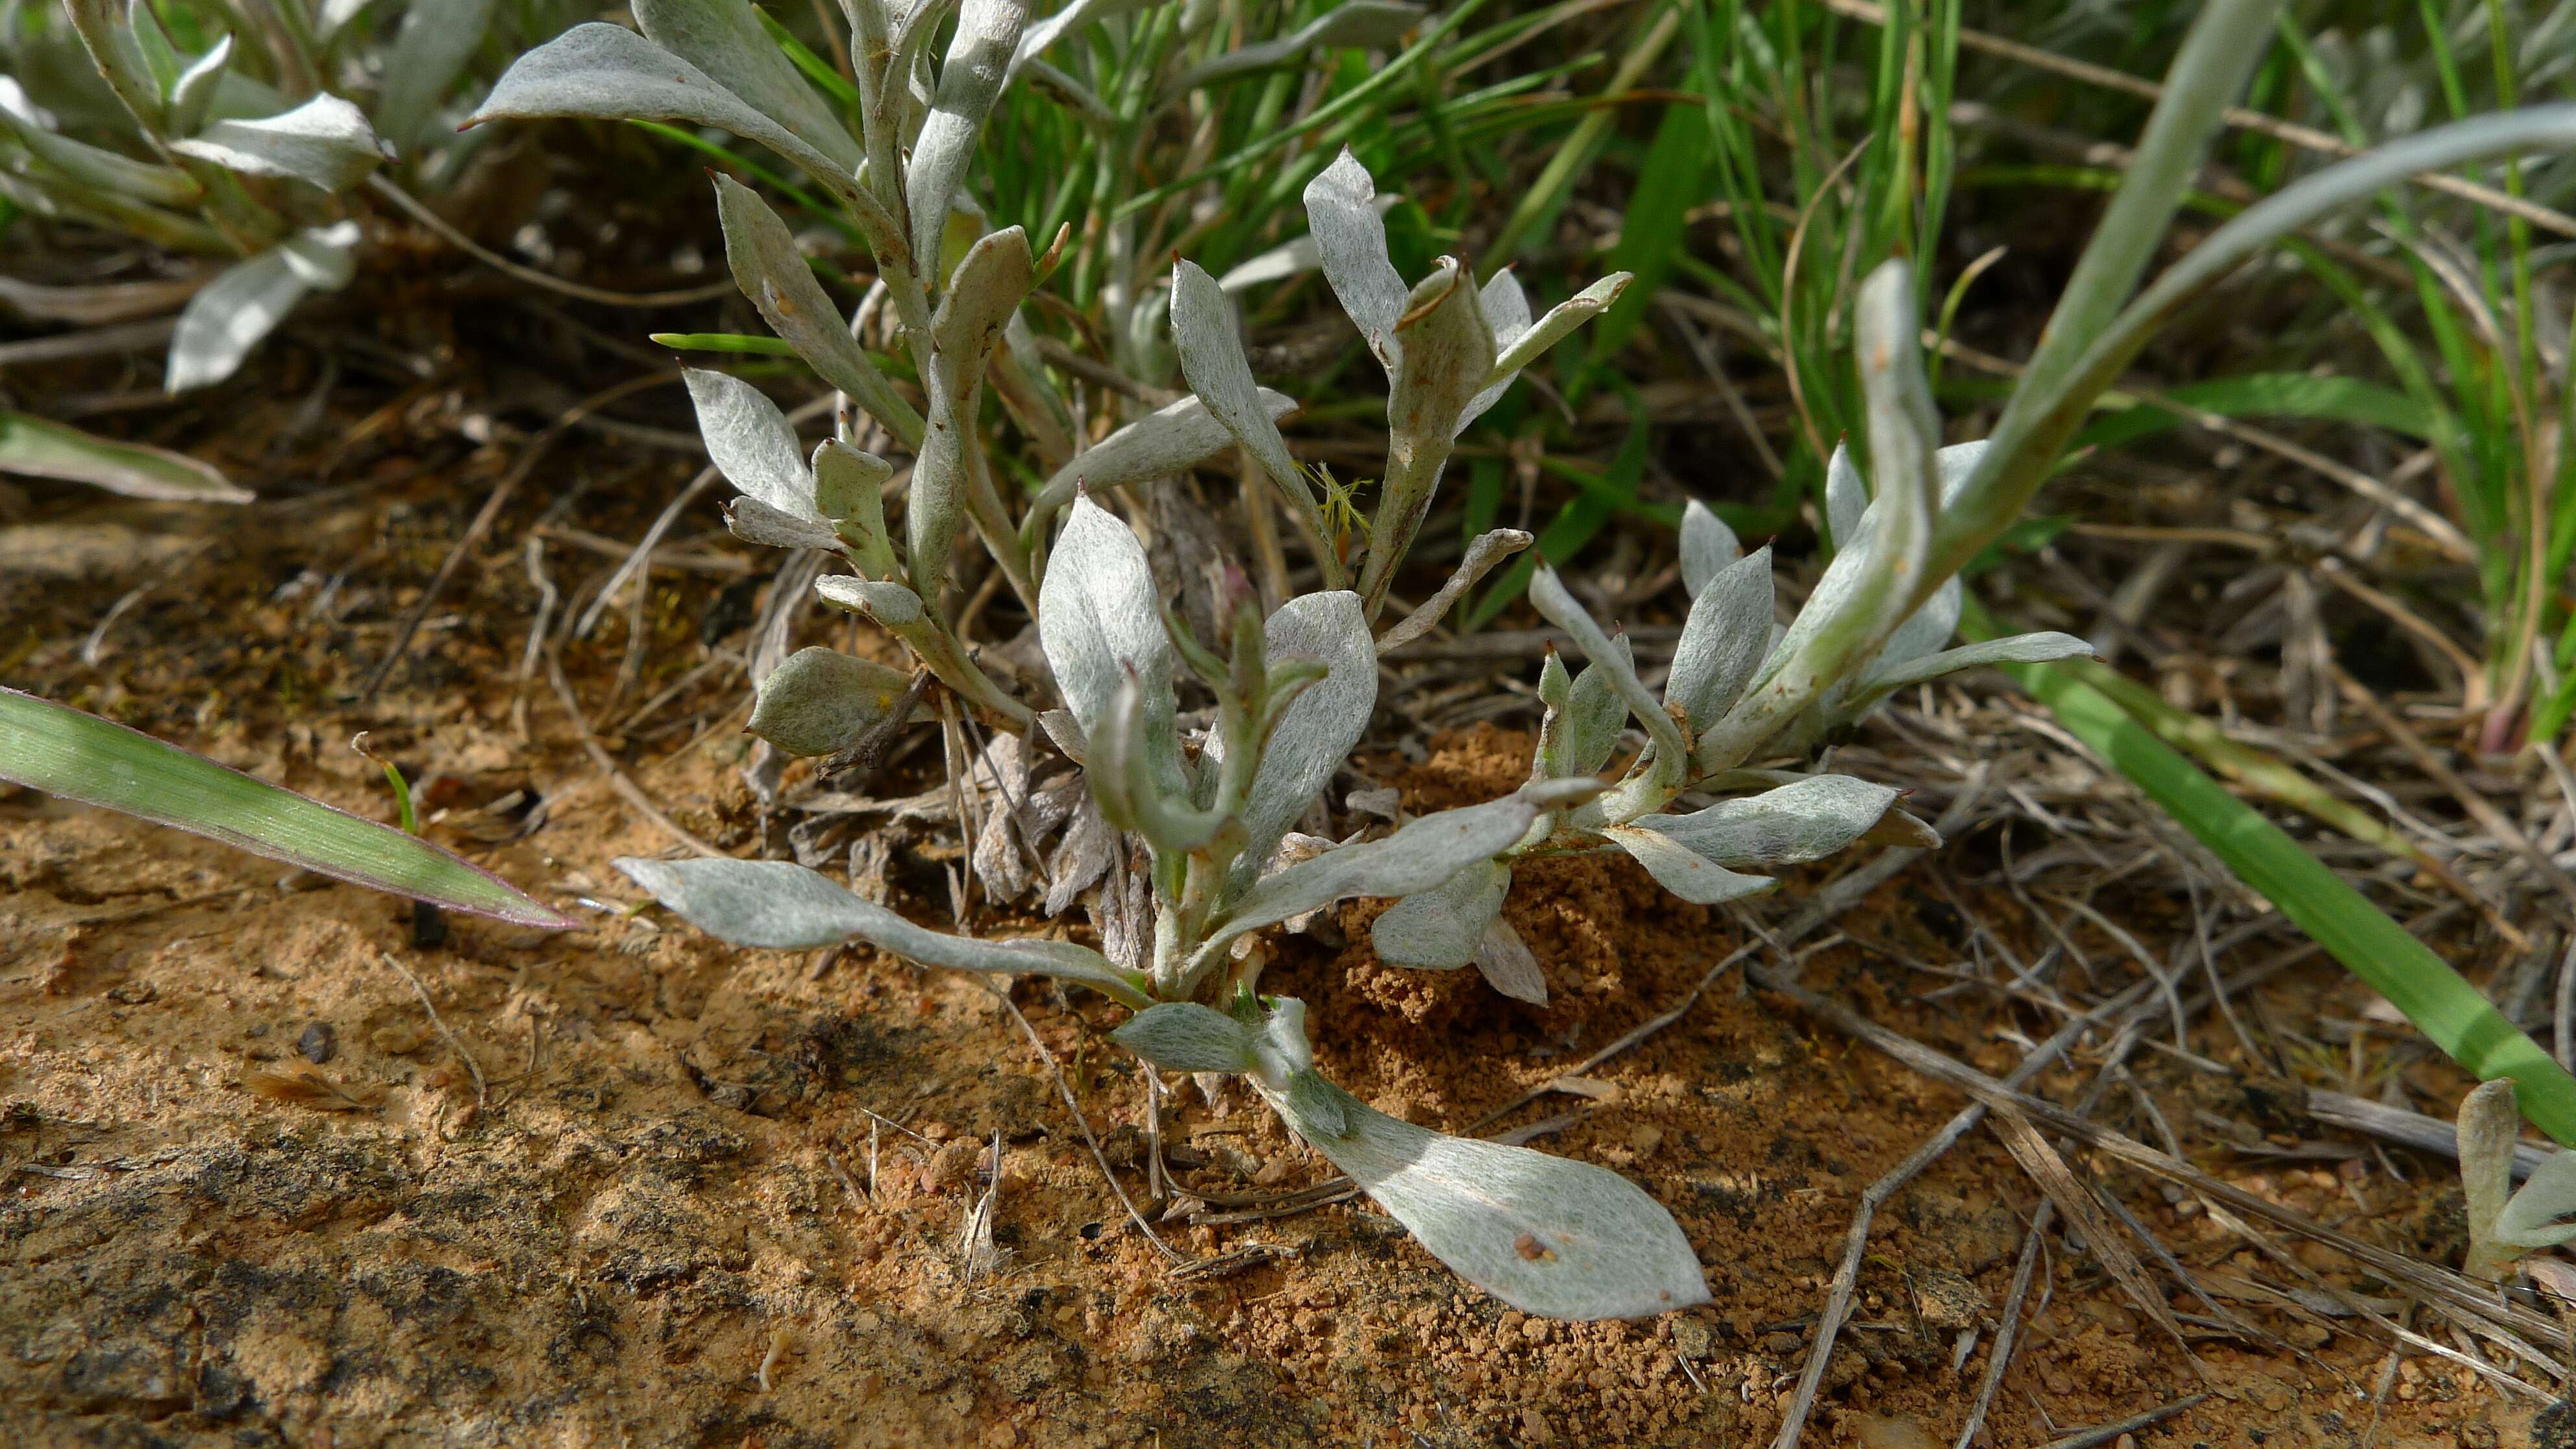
2441,1003
2270,394
32,446
63,751
742,342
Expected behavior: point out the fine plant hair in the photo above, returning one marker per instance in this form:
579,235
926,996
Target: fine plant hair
1186,820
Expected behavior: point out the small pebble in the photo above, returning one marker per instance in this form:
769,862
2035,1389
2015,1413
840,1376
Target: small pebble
428,926
319,1043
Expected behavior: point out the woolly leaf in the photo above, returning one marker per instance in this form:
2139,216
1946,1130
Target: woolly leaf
1546,1235
1211,353
725,39
752,443
1444,927
1183,1036
819,701
325,142
610,73
771,270
1677,869
1723,640
1350,242
1708,545
970,80
1316,733
1796,823
780,905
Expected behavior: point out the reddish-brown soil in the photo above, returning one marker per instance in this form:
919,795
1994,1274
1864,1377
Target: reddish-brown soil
662,1182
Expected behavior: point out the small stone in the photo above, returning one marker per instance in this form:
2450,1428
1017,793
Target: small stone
319,1043
1646,1139
428,926
1691,1337
1875,1432
398,1040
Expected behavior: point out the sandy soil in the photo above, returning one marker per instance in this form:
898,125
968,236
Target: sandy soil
688,1195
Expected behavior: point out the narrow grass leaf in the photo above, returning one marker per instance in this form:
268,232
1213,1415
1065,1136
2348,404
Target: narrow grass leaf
78,756
36,448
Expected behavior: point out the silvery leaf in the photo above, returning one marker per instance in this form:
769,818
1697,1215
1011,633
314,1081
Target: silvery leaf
1925,630
1212,360
819,701
1724,639
1846,497
1359,23
1546,1235
752,521
1530,341
430,52
724,38
1594,716
979,58
989,283
2488,1127
1707,546
326,141
1685,874
1504,960
1316,733
849,490
194,94
1444,928
1066,731
229,316
1298,256
1165,441
890,604
1796,823
106,31
772,271
1868,590
1488,549
780,905
1446,354
1100,622
1132,795
752,443
1507,308
2040,648
1848,503
1183,1036
324,257
1350,240
1417,857
1549,594
2534,1217
610,73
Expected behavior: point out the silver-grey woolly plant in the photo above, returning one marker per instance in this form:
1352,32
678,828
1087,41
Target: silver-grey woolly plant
1211,812
242,153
